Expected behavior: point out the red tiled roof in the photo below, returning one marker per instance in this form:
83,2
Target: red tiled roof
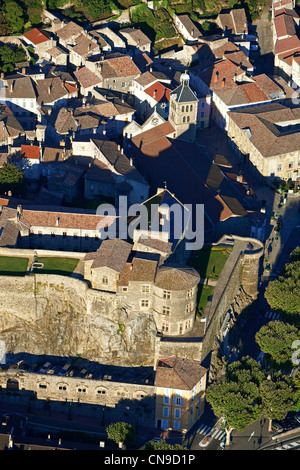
87,78
122,66
31,152
36,36
178,373
287,44
284,26
159,92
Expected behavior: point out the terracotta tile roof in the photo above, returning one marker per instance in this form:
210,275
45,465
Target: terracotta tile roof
10,234
178,373
65,122
70,220
153,135
87,78
287,44
189,25
143,270
69,30
239,20
232,52
32,152
159,91
112,254
36,36
176,278
9,126
55,51
146,79
52,89
121,66
221,79
266,135
137,35
21,87
284,26
156,244
52,154
84,45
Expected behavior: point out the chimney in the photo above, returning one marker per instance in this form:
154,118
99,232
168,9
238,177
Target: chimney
216,77
122,151
223,82
57,221
23,70
19,212
130,162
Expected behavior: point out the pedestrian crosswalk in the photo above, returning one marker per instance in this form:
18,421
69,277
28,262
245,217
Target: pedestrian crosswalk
290,445
272,316
208,430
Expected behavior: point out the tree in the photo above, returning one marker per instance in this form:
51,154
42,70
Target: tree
163,445
120,432
11,179
278,397
296,385
295,255
283,294
237,397
276,340
14,16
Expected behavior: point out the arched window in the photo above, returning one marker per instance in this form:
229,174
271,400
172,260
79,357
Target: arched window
187,108
191,107
183,119
188,119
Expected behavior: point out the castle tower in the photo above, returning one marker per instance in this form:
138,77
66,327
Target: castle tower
183,110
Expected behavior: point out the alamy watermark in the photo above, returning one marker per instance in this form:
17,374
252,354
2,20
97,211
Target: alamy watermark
167,222
2,352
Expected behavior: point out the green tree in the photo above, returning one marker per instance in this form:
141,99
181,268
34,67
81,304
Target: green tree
163,445
237,397
295,255
278,397
11,179
283,294
276,340
120,432
296,385
14,16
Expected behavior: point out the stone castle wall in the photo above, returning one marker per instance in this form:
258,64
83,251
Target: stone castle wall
60,315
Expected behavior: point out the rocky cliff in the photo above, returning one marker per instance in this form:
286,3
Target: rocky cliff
61,316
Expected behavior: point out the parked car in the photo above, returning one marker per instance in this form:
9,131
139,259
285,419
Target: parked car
276,426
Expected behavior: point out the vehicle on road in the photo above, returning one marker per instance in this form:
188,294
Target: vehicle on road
276,426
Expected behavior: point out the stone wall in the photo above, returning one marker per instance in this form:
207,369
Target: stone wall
61,316
237,284
107,399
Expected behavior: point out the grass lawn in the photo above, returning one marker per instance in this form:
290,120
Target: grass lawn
209,261
63,266
205,293
13,266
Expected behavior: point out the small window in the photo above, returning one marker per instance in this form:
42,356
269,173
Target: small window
167,294
145,288
104,280
144,303
166,310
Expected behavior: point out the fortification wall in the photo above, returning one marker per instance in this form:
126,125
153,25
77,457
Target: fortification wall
60,316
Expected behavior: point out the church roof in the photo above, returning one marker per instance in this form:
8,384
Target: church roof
183,93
